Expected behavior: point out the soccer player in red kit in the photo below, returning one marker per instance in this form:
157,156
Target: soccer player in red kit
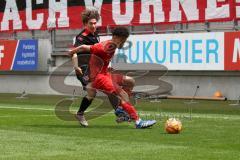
102,79
89,36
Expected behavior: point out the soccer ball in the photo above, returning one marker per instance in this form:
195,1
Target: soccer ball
173,126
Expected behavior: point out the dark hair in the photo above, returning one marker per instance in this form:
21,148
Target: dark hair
120,32
89,14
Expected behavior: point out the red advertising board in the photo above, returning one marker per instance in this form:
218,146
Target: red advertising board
232,51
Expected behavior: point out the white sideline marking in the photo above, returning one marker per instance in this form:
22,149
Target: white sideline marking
154,114
43,109
46,109
10,116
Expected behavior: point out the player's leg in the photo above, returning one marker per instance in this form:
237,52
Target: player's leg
106,84
122,116
87,100
139,123
114,100
128,84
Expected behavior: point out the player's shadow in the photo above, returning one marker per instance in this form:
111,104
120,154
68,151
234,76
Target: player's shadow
72,126
62,110
52,126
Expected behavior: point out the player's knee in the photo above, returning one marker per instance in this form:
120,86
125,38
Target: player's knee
91,94
130,81
89,97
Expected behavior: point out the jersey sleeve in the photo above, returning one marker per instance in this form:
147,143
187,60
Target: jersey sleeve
79,40
96,49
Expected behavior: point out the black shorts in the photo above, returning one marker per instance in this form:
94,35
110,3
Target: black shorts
84,79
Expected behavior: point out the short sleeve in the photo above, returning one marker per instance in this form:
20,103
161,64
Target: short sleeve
79,40
96,49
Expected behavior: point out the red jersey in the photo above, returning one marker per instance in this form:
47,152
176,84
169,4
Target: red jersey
101,55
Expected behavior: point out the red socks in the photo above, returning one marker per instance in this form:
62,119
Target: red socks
130,110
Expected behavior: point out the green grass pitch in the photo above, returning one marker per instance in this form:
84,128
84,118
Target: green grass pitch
30,129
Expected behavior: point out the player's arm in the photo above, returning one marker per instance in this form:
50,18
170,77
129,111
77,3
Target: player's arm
82,48
77,69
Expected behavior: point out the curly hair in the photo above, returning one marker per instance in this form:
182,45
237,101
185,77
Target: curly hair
89,14
120,32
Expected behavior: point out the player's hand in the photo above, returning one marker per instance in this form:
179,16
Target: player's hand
70,52
73,51
78,71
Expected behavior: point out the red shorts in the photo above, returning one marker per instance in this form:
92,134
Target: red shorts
108,83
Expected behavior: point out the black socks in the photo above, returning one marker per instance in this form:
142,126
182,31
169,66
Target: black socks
84,105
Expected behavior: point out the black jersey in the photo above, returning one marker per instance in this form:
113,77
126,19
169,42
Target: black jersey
87,38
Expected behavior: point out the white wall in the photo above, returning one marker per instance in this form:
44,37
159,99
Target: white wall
182,85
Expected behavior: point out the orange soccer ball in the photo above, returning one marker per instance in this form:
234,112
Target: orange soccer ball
173,126
218,94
